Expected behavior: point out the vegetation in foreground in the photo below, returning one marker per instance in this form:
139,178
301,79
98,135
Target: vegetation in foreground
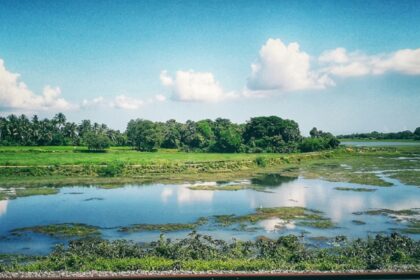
203,253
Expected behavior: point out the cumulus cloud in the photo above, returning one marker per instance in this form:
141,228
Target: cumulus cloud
120,102
95,102
160,98
284,67
191,86
125,102
341,63
14,94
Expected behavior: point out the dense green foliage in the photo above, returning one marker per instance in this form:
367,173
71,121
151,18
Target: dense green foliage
201,253
259,135
401,135
96,141
21,131
318,141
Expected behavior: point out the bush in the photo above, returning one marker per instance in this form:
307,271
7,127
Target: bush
97,142
261,161
113,169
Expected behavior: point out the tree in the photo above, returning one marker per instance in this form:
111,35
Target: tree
97,142
143,135
271,134
171,135
417,133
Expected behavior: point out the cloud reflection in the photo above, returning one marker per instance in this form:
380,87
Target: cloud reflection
184,195
3,207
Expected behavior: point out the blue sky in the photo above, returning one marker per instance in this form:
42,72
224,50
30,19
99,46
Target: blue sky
343,66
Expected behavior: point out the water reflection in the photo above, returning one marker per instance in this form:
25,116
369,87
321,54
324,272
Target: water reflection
272,180
177,203
3,206
276,224
185,195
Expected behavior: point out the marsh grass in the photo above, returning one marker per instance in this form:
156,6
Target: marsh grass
354,189
307,217
61,230
23,192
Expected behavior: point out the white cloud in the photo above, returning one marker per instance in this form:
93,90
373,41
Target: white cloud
338,55
14,94
340,63
285,68
125,102
160,98
95,102
281,67
191,86
121,102
404,61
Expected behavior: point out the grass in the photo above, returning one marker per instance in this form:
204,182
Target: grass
158,227
202,253
164,227
412,225
61,230
407,177
23,192
323,224
34,166
387,212
358,222
377,140
308,217
354,189
219,187
412,228
66,155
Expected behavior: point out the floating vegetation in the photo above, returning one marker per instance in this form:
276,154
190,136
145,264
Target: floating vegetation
390,212
312,218
61,230
358,222
412,228
327,223
219,187
158,227
164,227
409,177
354,189
272,180
93,198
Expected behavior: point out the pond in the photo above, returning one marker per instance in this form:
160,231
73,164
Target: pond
379,143
343,206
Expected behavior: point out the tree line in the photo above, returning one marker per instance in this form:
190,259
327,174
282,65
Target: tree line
374,135
270,134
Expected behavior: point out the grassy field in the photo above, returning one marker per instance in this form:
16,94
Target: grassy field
36,156
378,140
32,166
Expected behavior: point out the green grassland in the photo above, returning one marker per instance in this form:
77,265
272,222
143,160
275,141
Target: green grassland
35,166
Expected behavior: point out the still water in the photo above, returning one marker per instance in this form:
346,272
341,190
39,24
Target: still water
378,143
110,209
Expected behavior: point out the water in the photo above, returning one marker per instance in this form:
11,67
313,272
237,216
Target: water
378,143
176,203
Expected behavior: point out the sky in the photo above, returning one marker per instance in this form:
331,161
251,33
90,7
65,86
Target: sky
342,66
